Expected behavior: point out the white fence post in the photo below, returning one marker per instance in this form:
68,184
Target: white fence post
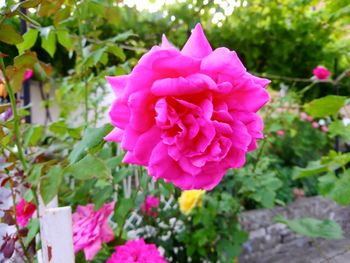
57,235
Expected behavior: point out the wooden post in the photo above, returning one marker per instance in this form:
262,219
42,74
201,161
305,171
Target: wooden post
57,235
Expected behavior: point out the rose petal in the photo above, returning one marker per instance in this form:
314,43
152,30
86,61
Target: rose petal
197,45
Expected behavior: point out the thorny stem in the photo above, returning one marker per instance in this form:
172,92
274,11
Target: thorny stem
17,226
86,95
16,119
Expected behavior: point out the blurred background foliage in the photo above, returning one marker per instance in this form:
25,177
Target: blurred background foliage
72,45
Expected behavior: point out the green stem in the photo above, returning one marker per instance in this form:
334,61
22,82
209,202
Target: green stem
86,95
16,119
259,154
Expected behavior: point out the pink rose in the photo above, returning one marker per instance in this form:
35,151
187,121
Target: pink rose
91,229
136,251
321,72
188,115
28,74
315,124
24,212
281,133
150,205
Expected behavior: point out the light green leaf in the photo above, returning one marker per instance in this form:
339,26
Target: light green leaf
29,39
33,227
64,39
337,128
326,106
310,227
89,167
48,41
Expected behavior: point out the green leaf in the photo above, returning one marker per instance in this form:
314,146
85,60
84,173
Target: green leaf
33,136
29,39
326,106
61,15
336,188
310,227
35,173
33,227
117,51
313,168
58,128
123,36
120,175
89,167
48,41
50,183
91,138
115,161
122,209
337,128
9,35
64,39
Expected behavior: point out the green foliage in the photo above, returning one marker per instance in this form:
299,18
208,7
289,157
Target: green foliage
310,227
326,106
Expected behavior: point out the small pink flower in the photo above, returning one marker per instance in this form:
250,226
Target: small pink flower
325,128
28,74
321,72
24,211
315,124
136,251
281,133
309,119
150,206
303,115
91,229
188,115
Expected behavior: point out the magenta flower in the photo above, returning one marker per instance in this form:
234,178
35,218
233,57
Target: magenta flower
321,72
150,205
28,74
91,229
188,115
136,251
24,212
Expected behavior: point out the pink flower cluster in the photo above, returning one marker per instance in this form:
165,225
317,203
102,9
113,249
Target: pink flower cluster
136,251
24,212
314,124
188,115
91,229
150,206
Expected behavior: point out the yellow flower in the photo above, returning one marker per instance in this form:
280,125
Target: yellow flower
189,200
